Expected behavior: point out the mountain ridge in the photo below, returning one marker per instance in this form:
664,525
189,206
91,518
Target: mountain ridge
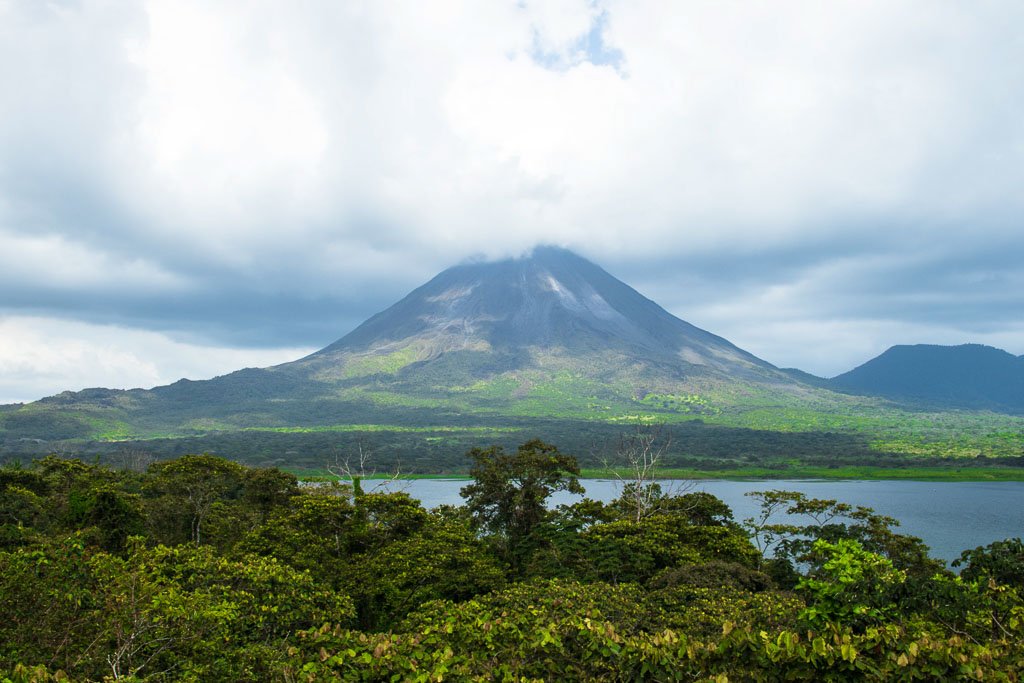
972,376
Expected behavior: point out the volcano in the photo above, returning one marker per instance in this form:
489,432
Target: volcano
520,311
548,335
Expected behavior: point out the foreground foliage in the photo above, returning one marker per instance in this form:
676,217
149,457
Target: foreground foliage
199,569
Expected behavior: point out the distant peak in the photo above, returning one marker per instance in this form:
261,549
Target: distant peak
968,348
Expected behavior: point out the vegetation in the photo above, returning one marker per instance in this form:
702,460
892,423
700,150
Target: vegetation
797,471
201,569
428,411
796,443
491,353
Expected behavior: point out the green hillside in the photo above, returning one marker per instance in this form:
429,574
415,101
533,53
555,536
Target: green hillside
550,345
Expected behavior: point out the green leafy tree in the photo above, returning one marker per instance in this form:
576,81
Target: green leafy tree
62,474
852,586
509,493
23,500
1002,561
441,561
183,613
196,615
114,516
313,534
808,520
267,489
628,551
188,488
380,519
48,603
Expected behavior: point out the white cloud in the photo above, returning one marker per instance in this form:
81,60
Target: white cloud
44,356
324,150
53,262
227,127
251,128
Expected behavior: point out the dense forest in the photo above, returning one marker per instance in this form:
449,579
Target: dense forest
201,569
693,444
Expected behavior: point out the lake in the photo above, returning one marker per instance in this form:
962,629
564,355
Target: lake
949,516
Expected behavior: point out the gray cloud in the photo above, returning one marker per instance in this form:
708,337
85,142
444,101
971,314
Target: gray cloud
242,177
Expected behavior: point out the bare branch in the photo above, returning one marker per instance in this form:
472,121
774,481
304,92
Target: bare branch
356,467
640,453
132,459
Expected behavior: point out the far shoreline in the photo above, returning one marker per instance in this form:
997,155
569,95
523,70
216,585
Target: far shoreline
794,473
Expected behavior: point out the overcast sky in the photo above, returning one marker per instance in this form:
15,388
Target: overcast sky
190,187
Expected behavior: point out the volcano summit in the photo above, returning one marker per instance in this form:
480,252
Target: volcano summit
518,314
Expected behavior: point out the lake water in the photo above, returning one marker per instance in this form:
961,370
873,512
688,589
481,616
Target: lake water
949,516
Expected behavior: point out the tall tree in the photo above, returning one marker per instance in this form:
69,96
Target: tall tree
194,483
507,497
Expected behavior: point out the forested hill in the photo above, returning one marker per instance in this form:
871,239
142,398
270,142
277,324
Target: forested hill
967,376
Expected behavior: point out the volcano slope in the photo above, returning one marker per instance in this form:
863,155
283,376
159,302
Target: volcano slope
549,344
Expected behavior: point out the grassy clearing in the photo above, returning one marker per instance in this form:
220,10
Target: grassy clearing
382,428
853,473
834,473
568,395
322,475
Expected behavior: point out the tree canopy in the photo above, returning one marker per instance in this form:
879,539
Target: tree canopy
200,569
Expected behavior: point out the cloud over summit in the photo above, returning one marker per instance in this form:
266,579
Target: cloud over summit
241,176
